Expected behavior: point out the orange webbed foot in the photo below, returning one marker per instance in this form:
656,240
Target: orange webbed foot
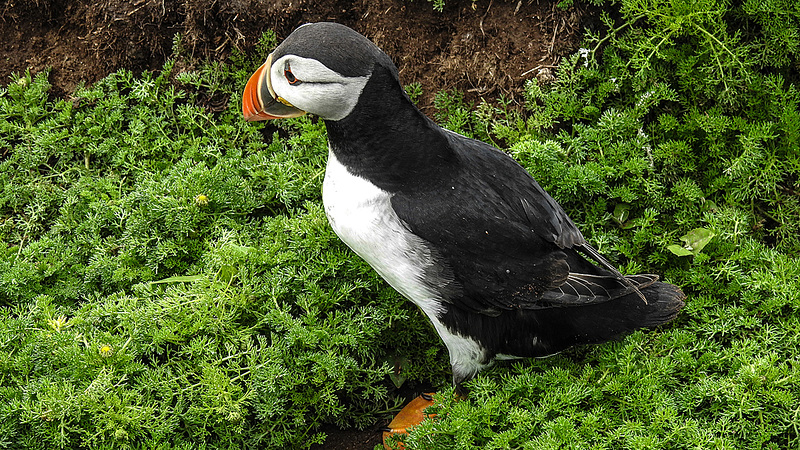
411,415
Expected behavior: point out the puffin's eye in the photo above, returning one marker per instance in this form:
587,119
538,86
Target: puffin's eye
287,72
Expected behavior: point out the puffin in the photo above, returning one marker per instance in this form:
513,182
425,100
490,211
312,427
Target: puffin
454,224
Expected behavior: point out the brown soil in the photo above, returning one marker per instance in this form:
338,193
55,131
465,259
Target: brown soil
484,48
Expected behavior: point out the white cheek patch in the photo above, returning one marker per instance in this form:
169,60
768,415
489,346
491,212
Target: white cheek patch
321,91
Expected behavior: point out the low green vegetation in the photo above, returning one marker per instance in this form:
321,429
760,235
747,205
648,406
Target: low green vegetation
168,278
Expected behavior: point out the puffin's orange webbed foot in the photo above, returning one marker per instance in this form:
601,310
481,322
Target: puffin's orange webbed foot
411,415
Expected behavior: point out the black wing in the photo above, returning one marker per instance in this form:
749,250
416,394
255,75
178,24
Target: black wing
507,242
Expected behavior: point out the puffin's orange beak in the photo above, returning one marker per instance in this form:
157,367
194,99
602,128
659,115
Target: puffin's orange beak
251,103
259,101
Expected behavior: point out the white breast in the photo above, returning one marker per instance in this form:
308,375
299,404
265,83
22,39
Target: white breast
361,214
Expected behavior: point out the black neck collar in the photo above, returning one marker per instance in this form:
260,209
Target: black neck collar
387,140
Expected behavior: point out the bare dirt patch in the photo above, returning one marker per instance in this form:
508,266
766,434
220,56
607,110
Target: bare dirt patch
484,48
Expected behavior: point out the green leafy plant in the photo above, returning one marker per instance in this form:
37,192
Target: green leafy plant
168,278
694,242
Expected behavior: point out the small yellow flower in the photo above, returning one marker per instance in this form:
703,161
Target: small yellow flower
58,324
201,200
106,350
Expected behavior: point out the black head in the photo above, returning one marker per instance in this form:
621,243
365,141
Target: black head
320,68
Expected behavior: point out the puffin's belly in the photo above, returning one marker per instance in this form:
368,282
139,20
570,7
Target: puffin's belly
361,215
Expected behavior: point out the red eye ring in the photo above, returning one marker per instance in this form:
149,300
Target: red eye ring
287,73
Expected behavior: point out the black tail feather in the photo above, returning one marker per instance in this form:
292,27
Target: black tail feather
543,332
564,327
627,281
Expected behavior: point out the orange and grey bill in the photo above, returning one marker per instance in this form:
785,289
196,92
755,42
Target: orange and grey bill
259,101
251,103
